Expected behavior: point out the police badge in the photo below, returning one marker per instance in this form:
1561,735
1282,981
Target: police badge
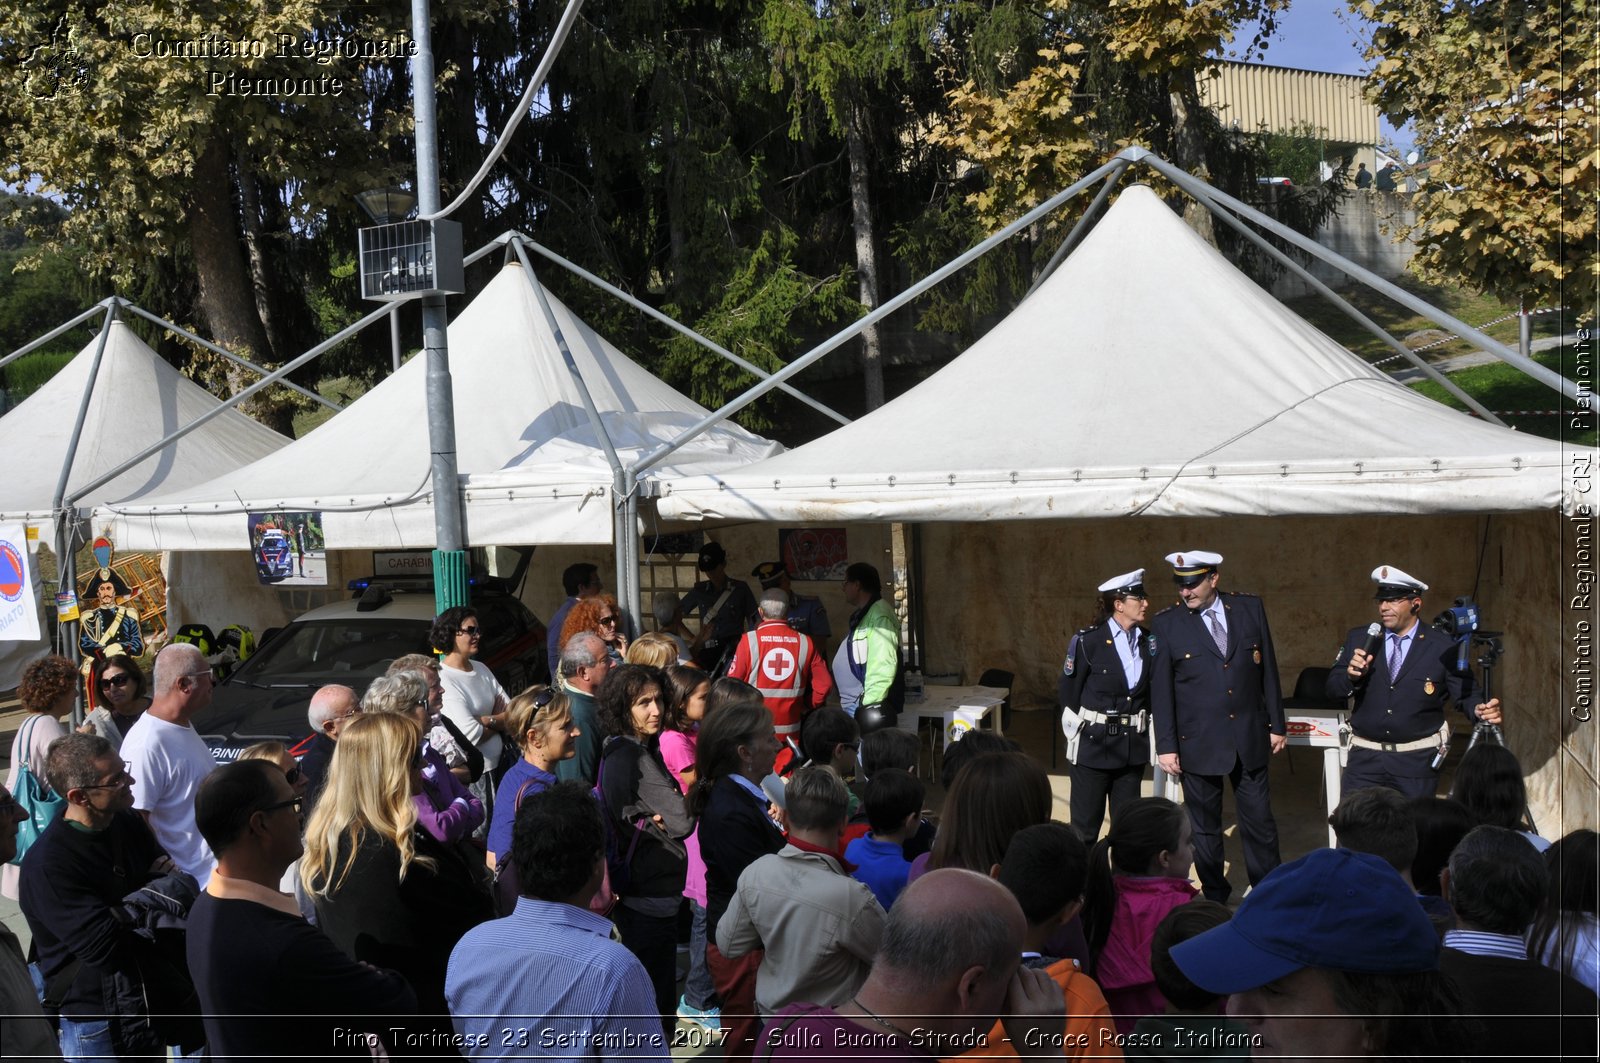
1257,656
1427,688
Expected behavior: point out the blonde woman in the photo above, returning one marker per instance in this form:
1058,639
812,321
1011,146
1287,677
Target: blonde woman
653,649
542,718
445,808
386,892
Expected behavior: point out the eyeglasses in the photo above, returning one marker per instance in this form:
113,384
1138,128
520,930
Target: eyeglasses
295,803
197,675
122,780
119,681
470,632
607,620
543,698
356,711
294,775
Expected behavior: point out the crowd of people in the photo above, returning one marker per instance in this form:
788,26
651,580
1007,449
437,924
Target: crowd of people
643,856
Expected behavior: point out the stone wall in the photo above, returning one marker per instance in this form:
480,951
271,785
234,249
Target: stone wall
1362,231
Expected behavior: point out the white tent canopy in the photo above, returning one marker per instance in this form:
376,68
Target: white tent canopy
531,467
137,400
1146,376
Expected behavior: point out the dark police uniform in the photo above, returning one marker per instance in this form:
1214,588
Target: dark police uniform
727,623
1410,709
1112,753
1216,712
808,616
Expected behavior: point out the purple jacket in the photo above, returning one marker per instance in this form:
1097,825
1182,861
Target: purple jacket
445,808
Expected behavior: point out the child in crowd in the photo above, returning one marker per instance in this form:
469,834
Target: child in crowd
1193,1026
889,747
685,709
829,738
1045,867
1137,874
894,812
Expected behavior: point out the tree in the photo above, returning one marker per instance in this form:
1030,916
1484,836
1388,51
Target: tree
201,157
1502,95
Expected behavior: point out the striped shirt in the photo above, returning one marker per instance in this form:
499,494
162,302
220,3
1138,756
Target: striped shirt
1483,943
547,981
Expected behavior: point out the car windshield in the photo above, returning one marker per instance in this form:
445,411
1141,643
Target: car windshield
315,652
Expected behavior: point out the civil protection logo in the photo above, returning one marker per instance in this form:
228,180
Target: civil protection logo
11,578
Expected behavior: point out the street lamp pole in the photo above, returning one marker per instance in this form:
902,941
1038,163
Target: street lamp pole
449,555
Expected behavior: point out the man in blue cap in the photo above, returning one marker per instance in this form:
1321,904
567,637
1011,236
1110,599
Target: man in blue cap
1218,708
1399,678
1331,958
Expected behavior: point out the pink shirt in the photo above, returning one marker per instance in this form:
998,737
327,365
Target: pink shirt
677,752
1123,967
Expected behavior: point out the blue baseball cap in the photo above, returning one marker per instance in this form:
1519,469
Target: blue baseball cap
1333,908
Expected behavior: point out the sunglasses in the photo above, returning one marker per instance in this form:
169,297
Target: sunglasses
470,632
295,803
294,775
119,681
122,780
607,620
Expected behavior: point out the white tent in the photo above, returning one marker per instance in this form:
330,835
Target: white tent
137,399
531,467
1146,377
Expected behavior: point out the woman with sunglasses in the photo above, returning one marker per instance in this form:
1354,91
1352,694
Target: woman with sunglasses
474,701
119,689
386,892
541,717
446,808
601,616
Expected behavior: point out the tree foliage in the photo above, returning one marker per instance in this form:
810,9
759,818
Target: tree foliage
188,185
1502,94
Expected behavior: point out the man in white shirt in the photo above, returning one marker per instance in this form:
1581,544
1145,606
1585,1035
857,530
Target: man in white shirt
168,759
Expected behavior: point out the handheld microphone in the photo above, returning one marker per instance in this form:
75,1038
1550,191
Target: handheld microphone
1374,640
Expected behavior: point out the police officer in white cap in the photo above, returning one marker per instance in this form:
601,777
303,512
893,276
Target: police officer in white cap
1105,704
1219,714
1399,678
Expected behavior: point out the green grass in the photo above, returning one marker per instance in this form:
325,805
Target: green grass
341,389
1501,388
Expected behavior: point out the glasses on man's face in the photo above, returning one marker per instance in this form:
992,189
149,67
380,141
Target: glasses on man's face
197,675
119,781
355,711
470,632
293,802
119,680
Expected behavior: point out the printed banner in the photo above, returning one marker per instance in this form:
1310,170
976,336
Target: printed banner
19,611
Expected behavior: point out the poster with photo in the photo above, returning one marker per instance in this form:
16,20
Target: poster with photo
288,548
819,554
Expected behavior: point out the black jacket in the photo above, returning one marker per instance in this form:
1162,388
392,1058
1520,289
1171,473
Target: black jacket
1212,707
1092,678
635,786
1413,705
734,833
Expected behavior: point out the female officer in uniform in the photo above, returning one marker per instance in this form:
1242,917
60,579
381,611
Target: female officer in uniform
1105,704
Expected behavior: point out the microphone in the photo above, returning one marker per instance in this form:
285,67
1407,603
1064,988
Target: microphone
1374,640
1374,636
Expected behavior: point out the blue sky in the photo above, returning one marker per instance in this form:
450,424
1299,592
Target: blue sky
1321,35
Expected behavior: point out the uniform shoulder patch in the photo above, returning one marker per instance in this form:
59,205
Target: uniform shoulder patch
1072,653
1171,608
